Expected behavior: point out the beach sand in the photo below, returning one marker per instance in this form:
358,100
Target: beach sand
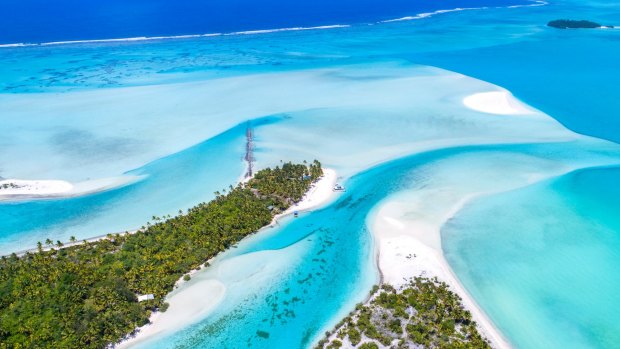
17,187
497,102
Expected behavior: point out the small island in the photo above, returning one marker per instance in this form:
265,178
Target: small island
575,24
424,313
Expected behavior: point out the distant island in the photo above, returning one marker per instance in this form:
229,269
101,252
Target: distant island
574,24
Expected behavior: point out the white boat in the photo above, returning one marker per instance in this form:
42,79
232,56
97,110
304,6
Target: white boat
338,187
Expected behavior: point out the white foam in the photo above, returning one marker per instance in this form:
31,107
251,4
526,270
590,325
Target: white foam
458,9
430,14
266,31
535,4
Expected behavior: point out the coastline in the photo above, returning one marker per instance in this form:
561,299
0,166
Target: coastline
413,248
319,194
407,234
192,300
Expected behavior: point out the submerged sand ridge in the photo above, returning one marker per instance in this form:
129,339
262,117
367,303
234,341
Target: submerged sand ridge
118,136
350,117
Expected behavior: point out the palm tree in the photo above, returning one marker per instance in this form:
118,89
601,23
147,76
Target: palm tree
49,242
39,246
72,238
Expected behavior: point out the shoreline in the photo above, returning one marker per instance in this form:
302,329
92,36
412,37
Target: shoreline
403,255
319,194
192,300
417,16
15,190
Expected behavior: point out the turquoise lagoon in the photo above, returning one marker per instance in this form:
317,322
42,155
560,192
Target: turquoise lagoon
280,281
162,189
539,259
546,260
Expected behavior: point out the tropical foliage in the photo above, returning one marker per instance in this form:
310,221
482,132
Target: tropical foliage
283,185
573,24
84,295
422,314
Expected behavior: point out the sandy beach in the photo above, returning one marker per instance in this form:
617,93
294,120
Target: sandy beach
192,300
187,305
319,194
497,102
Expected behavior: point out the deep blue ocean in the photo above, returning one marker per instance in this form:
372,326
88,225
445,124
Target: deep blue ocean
39,21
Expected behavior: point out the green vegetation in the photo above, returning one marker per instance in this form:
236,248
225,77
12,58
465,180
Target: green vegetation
282,187
573,24
84,296
422,314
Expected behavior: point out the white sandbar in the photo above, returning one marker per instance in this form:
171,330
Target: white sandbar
21,189
496,102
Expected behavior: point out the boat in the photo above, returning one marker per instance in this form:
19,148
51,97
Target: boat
338,187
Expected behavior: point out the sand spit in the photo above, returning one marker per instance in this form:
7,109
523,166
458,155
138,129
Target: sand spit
496,102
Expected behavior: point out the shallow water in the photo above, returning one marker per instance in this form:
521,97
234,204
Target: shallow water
370,114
